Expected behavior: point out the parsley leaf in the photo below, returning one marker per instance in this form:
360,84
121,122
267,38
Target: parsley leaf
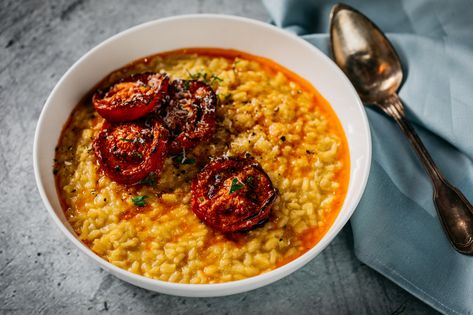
149,180
182,159
134,140
127,140
138,154
249,181
236,185
139,200
188,161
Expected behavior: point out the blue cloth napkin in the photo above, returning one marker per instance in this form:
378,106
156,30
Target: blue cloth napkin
395,227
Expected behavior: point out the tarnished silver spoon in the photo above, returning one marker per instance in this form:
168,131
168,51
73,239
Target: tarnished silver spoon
368,59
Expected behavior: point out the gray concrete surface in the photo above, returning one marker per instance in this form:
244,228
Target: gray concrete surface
40,270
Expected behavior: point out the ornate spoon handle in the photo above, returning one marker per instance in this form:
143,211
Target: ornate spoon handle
454,210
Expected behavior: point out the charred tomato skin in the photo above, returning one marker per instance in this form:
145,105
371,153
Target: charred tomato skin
233,194
132,97
128,152
190,114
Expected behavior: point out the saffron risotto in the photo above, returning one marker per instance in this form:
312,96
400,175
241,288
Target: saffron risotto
264,110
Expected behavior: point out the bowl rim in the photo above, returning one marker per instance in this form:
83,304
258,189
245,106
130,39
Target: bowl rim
215,289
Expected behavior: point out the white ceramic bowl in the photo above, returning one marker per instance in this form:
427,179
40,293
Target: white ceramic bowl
219,31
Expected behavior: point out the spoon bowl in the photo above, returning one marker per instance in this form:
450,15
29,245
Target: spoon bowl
365,55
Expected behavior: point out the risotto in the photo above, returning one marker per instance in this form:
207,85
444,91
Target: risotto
263,110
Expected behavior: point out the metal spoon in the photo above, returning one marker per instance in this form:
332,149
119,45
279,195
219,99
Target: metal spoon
368,59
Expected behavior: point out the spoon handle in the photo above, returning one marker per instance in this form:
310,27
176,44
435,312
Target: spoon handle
454,210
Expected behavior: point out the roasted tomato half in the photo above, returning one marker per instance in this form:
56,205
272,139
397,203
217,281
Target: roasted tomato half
128,152
233,194
132,97
190,114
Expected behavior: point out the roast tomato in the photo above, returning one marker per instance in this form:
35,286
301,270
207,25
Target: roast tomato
233,194
132,97
190,114
128,152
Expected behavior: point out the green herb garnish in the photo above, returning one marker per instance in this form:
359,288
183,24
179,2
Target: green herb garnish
236,185
225,98
182,159
149,180
194,76
214,78
203,76
139,200
249,181
235,65
188,161
134,140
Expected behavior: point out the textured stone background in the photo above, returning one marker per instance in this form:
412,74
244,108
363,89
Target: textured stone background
40,271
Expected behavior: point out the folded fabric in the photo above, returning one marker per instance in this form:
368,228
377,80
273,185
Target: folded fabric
395,227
